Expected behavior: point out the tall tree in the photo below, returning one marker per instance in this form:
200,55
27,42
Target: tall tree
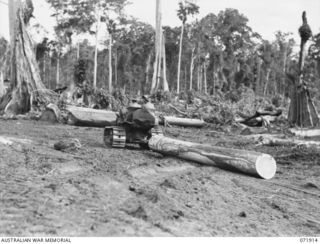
186,9
77,17
111,30
26,84
159,63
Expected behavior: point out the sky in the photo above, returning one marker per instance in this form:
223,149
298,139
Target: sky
265,16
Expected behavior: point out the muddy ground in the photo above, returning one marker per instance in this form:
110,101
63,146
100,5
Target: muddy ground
95,191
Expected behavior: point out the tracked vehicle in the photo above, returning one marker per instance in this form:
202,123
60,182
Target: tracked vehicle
135,126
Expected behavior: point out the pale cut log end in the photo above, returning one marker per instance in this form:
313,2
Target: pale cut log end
266,166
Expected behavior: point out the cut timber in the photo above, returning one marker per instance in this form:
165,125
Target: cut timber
51,114
90,117
305,132
249,162
11,140
272,140
183,121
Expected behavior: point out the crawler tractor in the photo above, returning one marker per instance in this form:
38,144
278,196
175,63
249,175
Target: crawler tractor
135,125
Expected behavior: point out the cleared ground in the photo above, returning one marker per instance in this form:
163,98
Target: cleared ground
96,191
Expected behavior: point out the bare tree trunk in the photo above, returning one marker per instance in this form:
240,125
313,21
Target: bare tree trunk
25,74
116,68
205,78
12,28
58,84
44,69
78,50
148,68
110,63
155,72
96,53
2,90
51,85
179,61
191,68
157,47
159,63
267,82
198,78
284,68
258,76
164,63
201,78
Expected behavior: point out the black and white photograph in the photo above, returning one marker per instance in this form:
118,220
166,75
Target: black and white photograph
159,118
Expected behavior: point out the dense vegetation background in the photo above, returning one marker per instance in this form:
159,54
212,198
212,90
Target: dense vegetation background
221,54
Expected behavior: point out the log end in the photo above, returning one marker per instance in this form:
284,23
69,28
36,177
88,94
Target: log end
266,166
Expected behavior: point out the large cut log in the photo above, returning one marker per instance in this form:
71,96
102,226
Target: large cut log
90,117
273,140
249,162
183,121
305,132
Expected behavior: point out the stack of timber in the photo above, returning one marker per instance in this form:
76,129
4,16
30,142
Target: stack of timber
248,162
90,117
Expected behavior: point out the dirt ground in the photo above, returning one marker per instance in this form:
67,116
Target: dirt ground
96,191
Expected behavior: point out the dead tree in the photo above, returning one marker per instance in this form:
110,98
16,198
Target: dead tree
302,111
26,83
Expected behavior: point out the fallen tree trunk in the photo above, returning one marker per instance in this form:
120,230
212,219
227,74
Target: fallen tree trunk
306,132
270,140
249,162
90,117
183,121
259,118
